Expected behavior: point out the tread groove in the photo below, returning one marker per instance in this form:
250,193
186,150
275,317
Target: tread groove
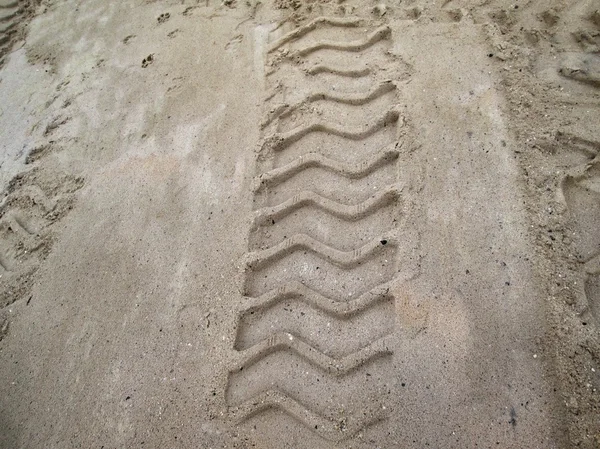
284,341
310,199
343,259
340,309
379,34
316,160
319,309
327,429
381,89
279,142
313,25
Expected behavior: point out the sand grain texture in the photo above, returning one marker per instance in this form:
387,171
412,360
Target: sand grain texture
299,224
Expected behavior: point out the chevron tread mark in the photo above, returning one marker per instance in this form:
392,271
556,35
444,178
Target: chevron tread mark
289,373
344,227
330,430
379,34
316,160
279,142
331,333
359,99
324,241
313,25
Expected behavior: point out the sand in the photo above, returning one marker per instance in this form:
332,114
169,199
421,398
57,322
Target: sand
296,224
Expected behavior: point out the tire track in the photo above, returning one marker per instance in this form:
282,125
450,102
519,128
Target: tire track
305,314
343,226
322,276
13,14
342,259
35,200
296,346
8,22
336,308
280,142
314,388
284,111
379,34
345,290
350,73
334,431
579,191
311,199
316,160
313,25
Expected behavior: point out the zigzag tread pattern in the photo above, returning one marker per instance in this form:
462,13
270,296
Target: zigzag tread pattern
343,211
11,16
316,160
287,341
253,320
313,25
343,259
349,73
379,34
284,342
297,290
283,111
279,142
326,428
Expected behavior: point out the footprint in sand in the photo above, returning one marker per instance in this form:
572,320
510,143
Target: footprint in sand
148,60
163,17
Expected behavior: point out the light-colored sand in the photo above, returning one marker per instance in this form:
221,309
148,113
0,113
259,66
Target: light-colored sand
300,224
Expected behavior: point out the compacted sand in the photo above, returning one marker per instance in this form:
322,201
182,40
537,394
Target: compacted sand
300,224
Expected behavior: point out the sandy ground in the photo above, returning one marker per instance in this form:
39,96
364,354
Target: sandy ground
300,224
